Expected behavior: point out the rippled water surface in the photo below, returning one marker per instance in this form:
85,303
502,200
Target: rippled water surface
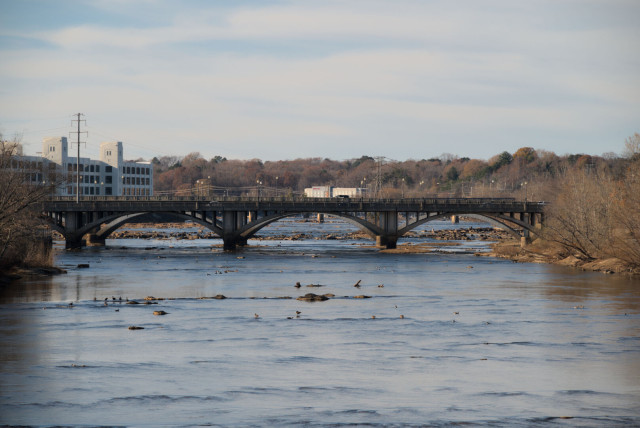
451,338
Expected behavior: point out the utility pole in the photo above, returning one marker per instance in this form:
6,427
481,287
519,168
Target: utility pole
379,176
78,132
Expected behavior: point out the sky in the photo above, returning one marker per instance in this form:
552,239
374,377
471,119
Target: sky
404,79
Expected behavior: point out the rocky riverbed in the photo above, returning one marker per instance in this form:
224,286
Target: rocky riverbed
129,231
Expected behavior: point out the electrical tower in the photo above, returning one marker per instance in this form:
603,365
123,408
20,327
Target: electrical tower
78,142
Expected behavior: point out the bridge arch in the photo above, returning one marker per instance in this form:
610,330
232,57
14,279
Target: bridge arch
107,224
252,228
484,217
116,223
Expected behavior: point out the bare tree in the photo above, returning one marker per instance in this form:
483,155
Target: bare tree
632,146
18,198
626,215
580,217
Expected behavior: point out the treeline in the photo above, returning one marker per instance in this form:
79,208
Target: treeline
526,173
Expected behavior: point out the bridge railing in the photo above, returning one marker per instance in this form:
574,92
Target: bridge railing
469,201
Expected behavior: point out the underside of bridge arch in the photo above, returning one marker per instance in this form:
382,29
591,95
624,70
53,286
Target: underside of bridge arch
102,227
497,220
120,220
255,226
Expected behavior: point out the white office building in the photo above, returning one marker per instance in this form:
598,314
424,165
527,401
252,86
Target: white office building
108,176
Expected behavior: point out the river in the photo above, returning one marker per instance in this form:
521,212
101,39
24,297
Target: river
443,338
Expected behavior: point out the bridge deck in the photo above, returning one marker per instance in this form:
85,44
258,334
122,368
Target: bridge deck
320,205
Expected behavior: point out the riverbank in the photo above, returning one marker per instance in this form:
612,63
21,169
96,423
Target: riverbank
540,251
16,273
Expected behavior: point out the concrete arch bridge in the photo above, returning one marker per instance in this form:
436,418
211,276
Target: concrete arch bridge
237,219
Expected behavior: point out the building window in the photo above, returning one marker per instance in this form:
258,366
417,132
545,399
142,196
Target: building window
108,179
138,170
108,191
91,168
97,190
91,190
97,168
138,181
108,168
128,170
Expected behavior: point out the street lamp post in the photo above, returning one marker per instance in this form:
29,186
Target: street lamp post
276,186
402,187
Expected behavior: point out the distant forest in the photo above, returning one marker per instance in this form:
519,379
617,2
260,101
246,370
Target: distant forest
526,173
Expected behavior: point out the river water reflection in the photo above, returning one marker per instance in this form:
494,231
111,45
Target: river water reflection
455,339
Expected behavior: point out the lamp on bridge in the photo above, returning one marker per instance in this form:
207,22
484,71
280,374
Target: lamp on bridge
276,186
402,187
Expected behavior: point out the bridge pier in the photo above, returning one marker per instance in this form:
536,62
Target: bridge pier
93,240
73,243
387,221
320,218
232,243
455,219
387,241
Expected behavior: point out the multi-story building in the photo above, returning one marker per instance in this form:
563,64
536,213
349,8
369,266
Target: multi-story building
108,176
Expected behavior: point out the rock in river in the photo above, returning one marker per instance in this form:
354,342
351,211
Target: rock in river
310,297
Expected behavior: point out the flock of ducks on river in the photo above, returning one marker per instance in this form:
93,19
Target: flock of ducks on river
257,316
